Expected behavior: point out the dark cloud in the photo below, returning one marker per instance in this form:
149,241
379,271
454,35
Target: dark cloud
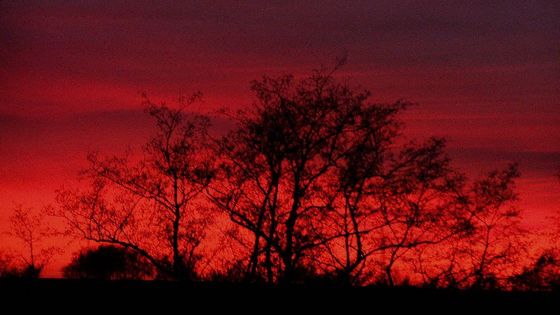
532,164
382,33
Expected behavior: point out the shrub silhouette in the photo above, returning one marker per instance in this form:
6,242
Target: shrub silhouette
108,263
543,275
8,268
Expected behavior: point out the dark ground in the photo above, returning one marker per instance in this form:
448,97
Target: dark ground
81,296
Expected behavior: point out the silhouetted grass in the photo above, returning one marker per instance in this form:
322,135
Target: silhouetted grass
263,299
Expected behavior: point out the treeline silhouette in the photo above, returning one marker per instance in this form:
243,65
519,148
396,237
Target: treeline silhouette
314,184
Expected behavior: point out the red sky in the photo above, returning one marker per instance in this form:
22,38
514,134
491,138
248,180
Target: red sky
486,75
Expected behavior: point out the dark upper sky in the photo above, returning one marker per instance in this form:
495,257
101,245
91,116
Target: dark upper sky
486,74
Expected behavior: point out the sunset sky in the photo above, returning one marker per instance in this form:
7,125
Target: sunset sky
484,74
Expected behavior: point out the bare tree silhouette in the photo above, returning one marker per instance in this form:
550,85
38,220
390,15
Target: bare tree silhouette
279,162
496,222
318,183
488,249
152,204
29,227
406,201
312,173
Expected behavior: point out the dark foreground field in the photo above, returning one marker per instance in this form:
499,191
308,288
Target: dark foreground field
85,296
